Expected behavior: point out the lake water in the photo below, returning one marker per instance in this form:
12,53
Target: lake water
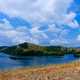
6,62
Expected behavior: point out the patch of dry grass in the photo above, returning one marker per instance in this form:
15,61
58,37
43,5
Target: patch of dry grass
69,71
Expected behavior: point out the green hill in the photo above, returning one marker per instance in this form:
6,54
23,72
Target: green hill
28,49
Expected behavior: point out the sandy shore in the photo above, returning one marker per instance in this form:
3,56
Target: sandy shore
70,71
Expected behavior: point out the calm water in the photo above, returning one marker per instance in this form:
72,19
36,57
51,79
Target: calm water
6,62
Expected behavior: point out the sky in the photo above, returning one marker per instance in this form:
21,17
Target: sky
43,22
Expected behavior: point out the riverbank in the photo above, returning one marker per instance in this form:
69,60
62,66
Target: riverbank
70,71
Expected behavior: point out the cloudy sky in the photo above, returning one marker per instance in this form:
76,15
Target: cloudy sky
44,22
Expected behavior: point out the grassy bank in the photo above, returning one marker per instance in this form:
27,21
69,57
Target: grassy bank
70,71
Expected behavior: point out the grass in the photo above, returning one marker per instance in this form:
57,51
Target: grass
70,71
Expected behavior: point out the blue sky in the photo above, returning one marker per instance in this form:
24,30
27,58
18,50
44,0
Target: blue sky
44,22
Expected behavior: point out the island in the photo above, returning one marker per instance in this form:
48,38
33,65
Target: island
29,49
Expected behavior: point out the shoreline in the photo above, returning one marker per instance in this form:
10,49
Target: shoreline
56,70
40,66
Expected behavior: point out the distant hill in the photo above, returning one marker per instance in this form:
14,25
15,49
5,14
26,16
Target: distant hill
28,49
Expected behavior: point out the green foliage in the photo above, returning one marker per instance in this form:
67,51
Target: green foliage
28,49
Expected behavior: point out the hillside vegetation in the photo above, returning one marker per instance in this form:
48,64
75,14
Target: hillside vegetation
28,49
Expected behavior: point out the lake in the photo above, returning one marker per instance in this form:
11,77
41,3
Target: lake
6,62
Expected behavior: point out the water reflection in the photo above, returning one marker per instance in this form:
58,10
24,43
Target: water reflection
6,62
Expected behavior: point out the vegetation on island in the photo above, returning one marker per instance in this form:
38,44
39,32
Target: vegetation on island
28,49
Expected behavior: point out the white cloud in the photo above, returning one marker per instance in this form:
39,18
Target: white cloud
35,30
78,38
22,29
70,20
54,28
70,16
34,40
38,34
61,38
59,42
74,24
6,25
36,10
13,35
20,34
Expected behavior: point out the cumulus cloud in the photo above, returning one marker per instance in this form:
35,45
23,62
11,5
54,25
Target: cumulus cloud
5,25
38,34
54,28
36,10
19,34
61,38
70,20
12,35
59,42
23,34
51,12
78,38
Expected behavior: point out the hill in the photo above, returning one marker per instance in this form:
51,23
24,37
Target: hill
28,49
